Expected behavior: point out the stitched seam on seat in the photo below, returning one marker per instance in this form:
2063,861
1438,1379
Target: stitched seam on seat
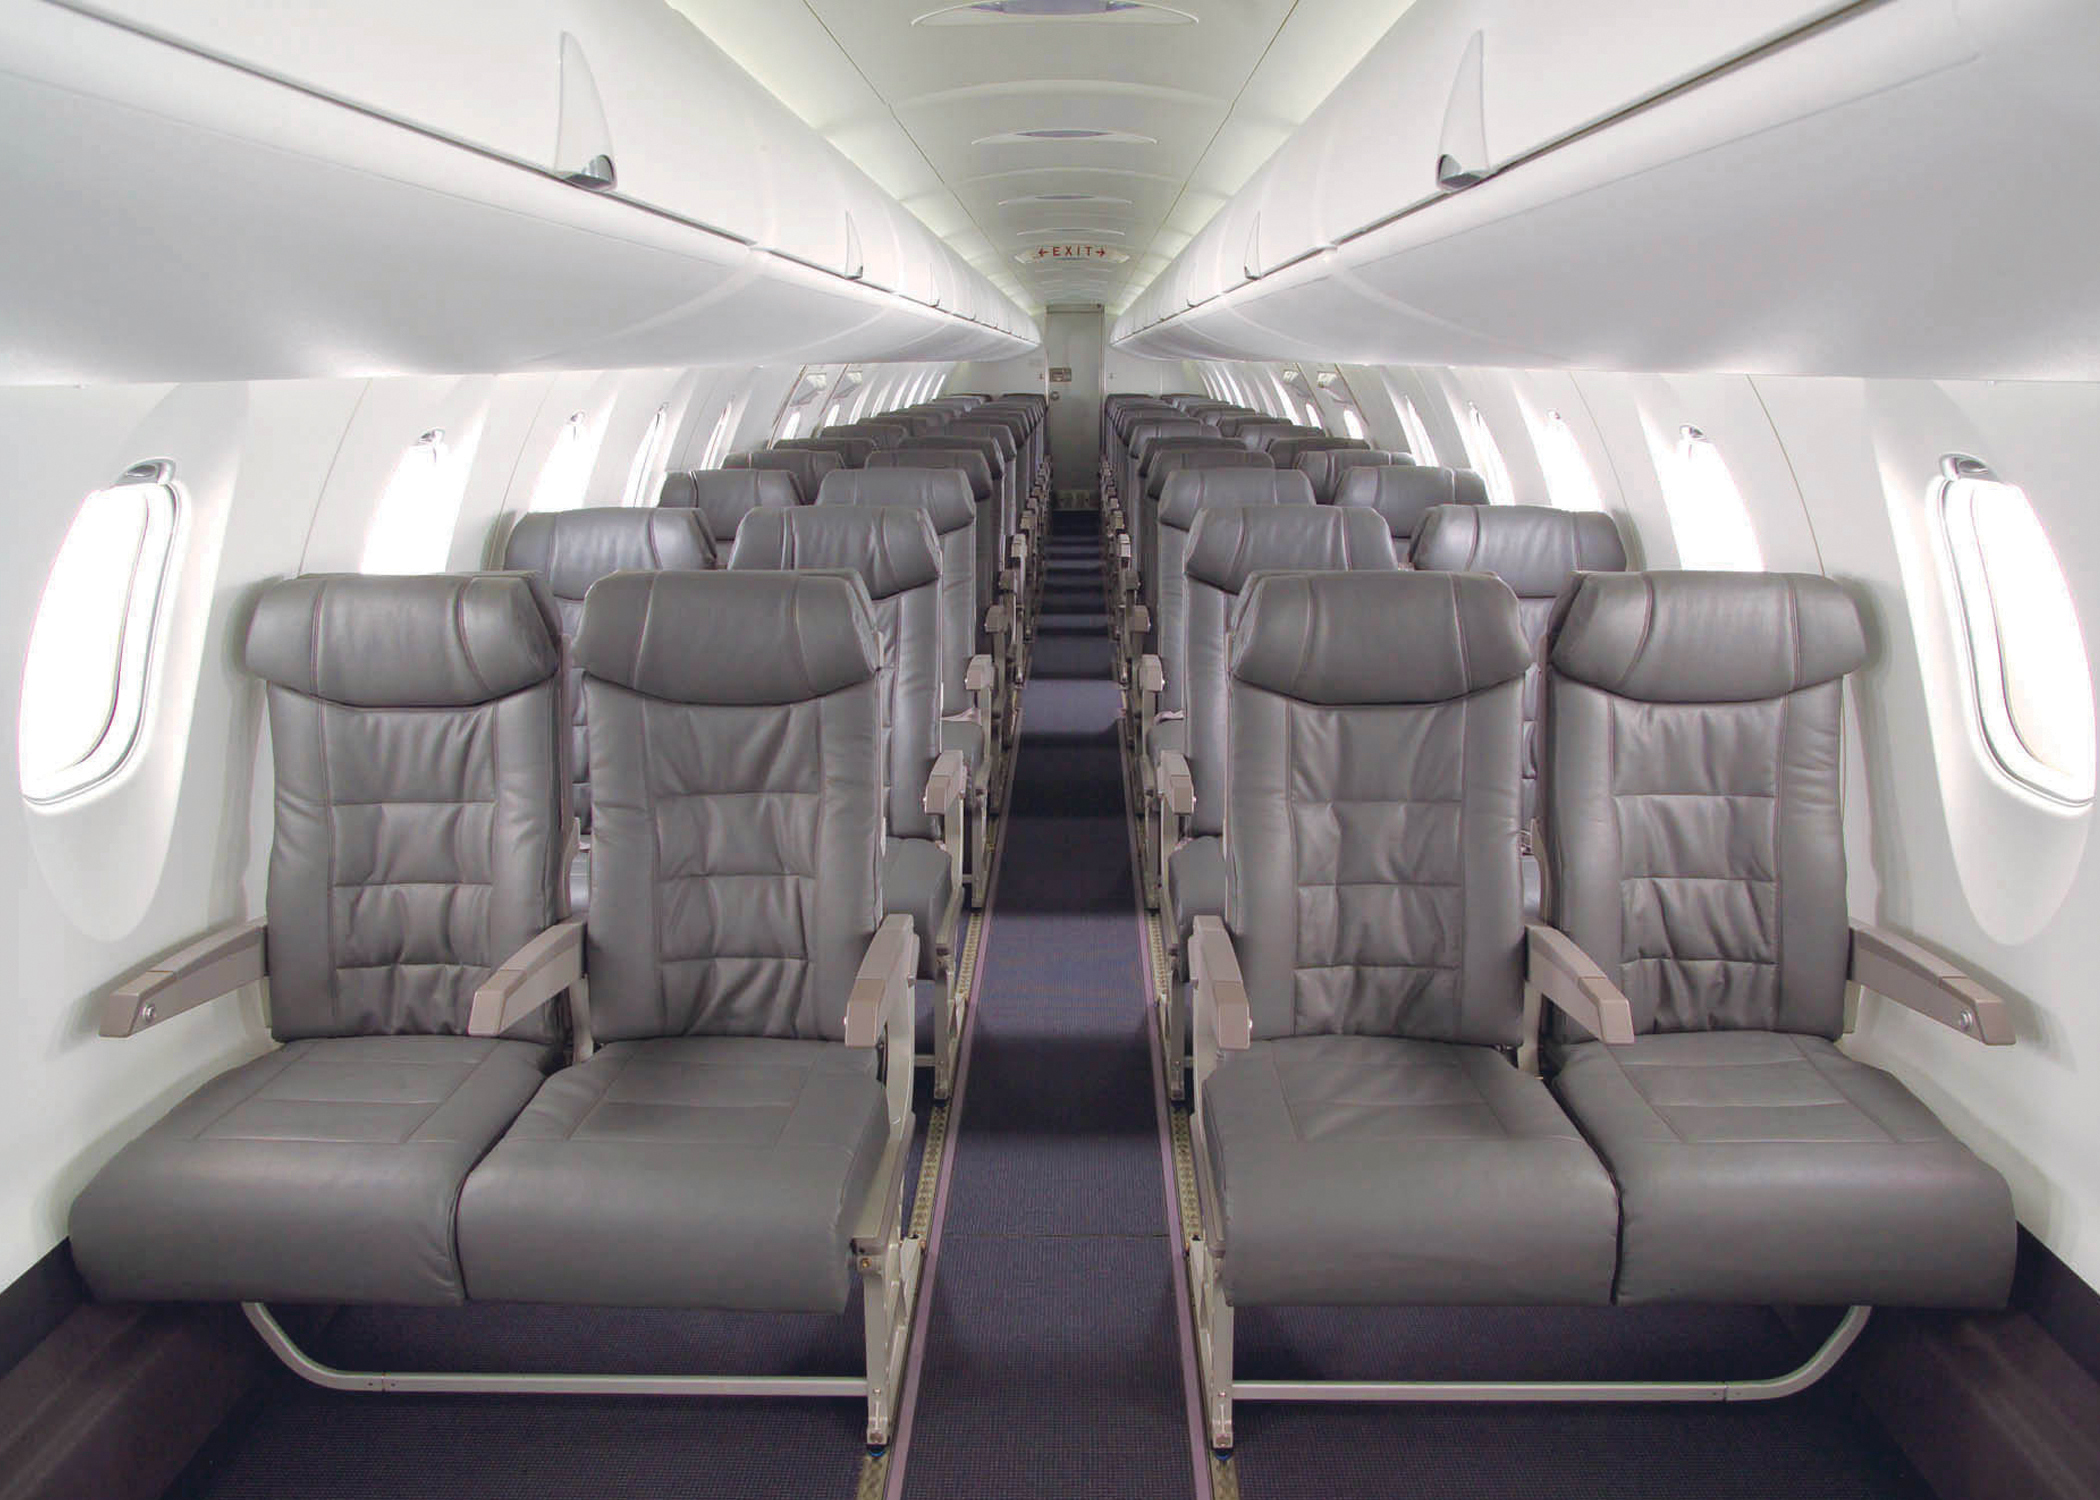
1835,1082
1635,1090
604,1093
1486,1100
460,1088
1779,810
248,1098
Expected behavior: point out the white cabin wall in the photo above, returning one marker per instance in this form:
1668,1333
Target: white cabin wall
1838,477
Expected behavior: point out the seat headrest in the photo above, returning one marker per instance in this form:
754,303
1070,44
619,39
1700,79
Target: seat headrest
1187,491
891,547
725,496
974,466
983,444
1535,549
433,640
1680,637
1261,436
573,549
944,493
1230,544
729,638
1364,638
998,432
852,451
807,465
1403,493
1285,450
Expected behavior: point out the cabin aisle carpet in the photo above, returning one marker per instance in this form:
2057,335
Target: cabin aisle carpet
1052,1361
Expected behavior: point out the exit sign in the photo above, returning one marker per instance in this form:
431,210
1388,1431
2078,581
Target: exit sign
1061,374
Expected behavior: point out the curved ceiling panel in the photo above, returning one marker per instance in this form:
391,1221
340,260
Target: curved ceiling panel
1193,109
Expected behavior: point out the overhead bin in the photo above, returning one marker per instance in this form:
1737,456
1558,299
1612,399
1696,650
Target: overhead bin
488,79
309,234
1900,189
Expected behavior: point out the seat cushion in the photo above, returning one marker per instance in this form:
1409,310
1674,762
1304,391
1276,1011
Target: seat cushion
918,882
1381,1171
1196,875
704,1172
1763,1167
326,1171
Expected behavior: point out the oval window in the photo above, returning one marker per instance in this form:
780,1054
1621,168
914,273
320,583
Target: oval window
642,477
567,473
85,679
2034,686
1487,458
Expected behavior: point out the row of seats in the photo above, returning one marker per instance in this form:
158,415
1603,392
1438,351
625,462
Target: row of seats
718,1114
1384,1117
1507,888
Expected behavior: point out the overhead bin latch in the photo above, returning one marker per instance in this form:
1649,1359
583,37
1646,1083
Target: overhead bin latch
1462,154
582,140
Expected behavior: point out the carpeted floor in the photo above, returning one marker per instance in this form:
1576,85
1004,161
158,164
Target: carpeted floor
1052,1358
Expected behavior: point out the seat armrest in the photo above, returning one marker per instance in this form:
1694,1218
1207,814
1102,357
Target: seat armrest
882,988
1919,979
1152,674
977,674
995,619
528,979
216,964
1223,1020
1177,784
946,783
1558,969
879,1012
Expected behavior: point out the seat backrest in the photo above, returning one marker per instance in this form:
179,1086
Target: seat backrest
1403,493
572,549
1184,496
1165,454
999,432
1689,785
920,422
735,872
1232,425
881,436
1537,551
1371,832
944,494
1325,467
1260,436
1216,417
726,496
894,552
1227,546
1159,429
806,466
852,452
1285,450
422,809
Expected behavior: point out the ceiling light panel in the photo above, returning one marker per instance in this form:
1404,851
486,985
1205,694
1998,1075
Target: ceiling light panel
994,12
1065,136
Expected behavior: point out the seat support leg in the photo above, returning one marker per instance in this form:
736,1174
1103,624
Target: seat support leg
1213,1344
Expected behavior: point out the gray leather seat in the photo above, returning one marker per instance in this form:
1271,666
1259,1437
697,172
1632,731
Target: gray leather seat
1227,546
1258,436
1325,467
1284,451
726,496
419,740
716,1148
571,550
1694,848
1537,551
852,451
1404,493
806,466
1004,458
1164,456
973,459
880,436
1374,1145
895,553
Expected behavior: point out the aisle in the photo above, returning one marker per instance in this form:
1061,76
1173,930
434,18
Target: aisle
1052,1361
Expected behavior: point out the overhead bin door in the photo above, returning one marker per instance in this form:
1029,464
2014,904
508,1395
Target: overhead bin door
487,76
1531,95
